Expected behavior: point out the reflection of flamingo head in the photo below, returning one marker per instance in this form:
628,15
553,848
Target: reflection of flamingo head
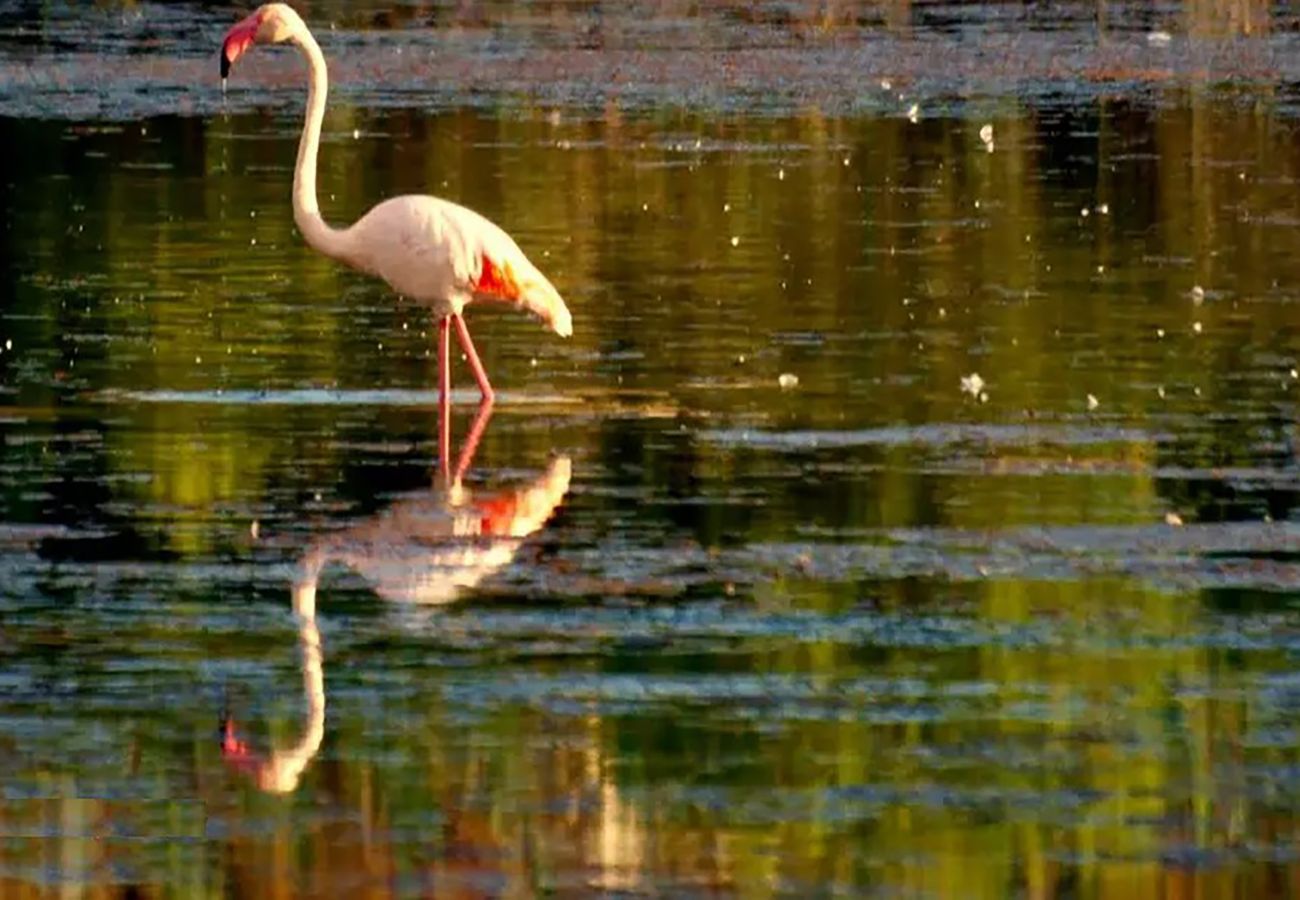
269,24
277,775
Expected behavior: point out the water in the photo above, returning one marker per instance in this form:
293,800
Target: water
886,631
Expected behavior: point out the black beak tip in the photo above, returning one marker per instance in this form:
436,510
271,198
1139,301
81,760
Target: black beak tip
225,64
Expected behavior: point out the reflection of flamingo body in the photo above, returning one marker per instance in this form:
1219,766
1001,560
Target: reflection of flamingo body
435,252
428,549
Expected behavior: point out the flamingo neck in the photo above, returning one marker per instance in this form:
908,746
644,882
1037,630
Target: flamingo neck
306,211
281,773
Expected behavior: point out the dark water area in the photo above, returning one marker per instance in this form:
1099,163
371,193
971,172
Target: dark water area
913,512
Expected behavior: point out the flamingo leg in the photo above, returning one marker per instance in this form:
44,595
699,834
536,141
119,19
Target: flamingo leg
444,397
472,439
480,374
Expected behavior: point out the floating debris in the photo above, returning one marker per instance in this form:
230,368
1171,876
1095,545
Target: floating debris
1093,403
1196,326
1172,518
1198,294
253,530
914,113
973,384
735,240
1104,209
986,134
787,380
1159,38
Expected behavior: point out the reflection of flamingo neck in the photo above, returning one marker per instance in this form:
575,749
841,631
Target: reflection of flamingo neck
281,772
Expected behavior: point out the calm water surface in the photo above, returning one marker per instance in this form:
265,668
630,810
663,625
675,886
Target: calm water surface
887,630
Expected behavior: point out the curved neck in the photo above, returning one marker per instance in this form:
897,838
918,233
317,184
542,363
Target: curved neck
306,211
280,774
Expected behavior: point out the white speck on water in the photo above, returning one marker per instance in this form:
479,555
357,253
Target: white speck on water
252,214
1160,391
735,241
914,113
405,326
740,360
1084,212
1104,209
356,133
198,359
1159,38
787,380
886,84
726,207
846,162
1101,270
984,397
1196,326
1198,294
1172,518
1160,333
645,207
252,242
316,496
381,345
1295,373
972,384
533,362
1196,391
943,313
986,134
253,530
9,344
977,204
780,174
1093,402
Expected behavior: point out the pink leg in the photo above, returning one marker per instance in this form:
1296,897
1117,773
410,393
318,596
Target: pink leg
480,374
444,396
472,439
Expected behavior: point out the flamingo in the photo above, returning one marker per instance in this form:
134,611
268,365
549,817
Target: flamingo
435,252
428,549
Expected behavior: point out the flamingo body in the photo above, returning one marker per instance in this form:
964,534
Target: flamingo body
444,255
436,252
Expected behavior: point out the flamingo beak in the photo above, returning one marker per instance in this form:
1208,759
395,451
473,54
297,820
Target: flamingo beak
233,750
238,39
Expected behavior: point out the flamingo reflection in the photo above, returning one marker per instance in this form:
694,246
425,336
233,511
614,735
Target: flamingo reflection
427,549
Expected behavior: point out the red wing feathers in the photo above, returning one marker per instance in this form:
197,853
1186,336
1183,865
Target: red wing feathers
495,280
497,515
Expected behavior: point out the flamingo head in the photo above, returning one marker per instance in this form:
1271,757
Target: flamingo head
268,24
234,751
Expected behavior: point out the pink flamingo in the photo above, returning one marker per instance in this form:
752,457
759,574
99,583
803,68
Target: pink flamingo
428,548
433,251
